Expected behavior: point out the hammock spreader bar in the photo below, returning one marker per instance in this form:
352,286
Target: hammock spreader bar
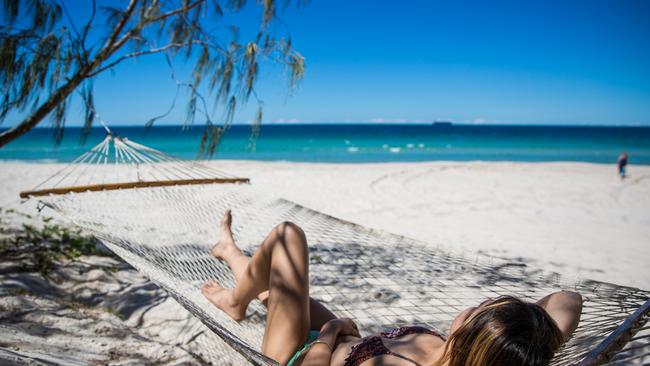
619,337
128,185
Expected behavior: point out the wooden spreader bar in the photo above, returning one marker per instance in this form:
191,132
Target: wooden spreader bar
618,338
127,185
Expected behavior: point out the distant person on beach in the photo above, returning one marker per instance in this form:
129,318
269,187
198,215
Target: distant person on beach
622,163
302,331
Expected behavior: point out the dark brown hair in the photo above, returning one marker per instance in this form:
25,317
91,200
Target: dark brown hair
506,332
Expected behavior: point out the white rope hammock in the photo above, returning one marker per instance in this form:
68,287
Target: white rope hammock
379,279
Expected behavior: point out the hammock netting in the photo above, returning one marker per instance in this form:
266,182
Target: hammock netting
380,280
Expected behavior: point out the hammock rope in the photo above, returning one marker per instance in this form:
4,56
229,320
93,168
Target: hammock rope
135,166
380,280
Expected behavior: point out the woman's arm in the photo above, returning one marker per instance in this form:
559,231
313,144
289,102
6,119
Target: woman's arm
565,308
320,351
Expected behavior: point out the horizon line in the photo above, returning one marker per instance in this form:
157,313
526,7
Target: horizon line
390,123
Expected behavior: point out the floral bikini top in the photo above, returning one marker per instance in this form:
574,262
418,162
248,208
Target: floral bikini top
373,346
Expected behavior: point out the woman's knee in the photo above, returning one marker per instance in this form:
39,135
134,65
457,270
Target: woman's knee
291,233
289,228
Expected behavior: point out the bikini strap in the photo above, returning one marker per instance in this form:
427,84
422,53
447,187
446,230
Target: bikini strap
402,357
402,331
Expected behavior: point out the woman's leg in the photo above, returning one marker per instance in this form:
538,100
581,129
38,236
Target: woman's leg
228,250
280,266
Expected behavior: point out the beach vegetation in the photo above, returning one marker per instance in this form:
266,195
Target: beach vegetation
19,291
42,244
47,58
115,312
316,259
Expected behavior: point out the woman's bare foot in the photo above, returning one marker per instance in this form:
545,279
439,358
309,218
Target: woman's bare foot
226,245
223,299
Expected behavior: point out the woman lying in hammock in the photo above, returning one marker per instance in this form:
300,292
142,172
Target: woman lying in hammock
301,331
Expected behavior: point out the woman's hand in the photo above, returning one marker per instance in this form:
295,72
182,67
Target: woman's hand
342,326
320,351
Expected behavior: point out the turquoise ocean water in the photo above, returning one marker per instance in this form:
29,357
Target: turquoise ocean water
359,143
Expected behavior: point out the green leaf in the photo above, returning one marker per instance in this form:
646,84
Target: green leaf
113,16
11,10
269,12
255,128
217,8
230,111
58,121
191,109
296,65
236,5
89,111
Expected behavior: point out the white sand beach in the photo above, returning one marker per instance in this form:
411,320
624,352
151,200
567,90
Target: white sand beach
577,219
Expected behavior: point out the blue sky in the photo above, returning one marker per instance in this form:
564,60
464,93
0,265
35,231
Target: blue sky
540,62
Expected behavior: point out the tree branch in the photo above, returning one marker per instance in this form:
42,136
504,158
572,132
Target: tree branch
32,120
142,53
64,91
117,45
174,12
110,45
88,24
131,24
72,25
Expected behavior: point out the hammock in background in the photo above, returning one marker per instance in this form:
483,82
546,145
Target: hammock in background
160,214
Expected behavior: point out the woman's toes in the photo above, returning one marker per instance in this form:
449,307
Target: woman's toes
222,298
226,220
209,287
217,251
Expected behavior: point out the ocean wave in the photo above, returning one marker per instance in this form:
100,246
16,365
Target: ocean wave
31,161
